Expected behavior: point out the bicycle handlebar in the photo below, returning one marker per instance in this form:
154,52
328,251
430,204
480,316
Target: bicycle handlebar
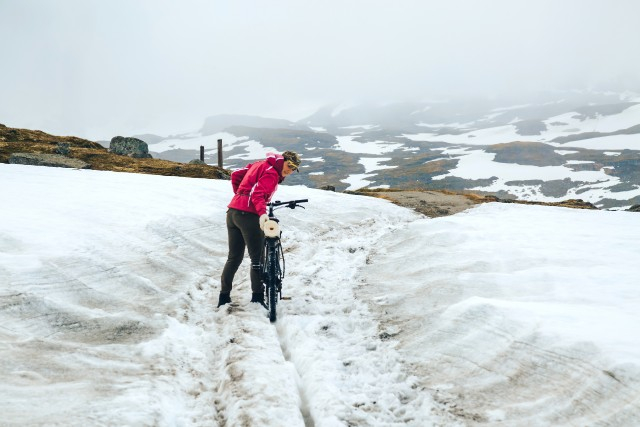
291,203
272,230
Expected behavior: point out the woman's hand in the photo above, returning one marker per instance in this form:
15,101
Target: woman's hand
263,219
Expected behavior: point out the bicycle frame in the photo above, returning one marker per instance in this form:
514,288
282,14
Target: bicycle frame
272,273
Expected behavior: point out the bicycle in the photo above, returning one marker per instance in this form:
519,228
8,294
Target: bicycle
272,273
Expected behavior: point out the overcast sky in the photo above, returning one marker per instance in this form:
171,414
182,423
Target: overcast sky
100,68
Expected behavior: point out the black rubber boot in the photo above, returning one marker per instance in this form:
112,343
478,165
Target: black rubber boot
224,299
259,298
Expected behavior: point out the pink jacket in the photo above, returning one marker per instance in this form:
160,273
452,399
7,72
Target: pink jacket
255,184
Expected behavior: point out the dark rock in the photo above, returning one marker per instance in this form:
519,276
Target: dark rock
633,130
527,153
594,111
530,127
197,162
62,149
634,208
623,186
328,188
558,187
131,147
54,160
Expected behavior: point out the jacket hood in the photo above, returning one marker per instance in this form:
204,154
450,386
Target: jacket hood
277,161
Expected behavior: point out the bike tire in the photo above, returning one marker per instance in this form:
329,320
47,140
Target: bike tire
271,280
273,301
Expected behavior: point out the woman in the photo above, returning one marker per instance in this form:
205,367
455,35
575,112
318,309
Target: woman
253,187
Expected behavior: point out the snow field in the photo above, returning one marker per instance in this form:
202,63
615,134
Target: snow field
526,314
571,123
504,314
109,286
479,164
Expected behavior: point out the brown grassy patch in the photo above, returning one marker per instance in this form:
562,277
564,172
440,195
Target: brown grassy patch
473,197
28,141
435,167
37,136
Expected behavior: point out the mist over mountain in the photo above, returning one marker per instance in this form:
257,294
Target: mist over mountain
220,122
556,146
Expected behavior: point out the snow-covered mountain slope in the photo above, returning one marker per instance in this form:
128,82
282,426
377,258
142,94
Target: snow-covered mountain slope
569,145
108,284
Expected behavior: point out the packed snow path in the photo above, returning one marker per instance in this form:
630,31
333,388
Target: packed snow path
108,286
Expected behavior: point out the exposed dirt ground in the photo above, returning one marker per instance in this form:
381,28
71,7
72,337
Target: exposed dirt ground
436,203
431,203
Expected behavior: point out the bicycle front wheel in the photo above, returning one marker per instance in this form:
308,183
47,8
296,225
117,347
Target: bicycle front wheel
271,281
273,301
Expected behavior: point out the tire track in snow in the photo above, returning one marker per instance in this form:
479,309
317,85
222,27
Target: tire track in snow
349,376
254,383
323,362
304,403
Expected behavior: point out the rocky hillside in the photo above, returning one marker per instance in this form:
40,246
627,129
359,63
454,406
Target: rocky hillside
30,144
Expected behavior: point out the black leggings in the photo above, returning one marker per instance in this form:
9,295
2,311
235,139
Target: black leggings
244,231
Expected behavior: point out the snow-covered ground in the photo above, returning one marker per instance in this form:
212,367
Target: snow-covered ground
521,315
525,315
195,140
252,149
562,125
478,164
348,144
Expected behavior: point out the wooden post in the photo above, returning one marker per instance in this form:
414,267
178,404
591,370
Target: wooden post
202,153
220,153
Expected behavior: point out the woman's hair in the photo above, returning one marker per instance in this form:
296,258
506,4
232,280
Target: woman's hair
293,157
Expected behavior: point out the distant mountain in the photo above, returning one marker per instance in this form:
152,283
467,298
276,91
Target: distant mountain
149,138
560,146
220,122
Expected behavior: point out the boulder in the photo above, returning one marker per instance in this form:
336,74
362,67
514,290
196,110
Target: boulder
132,147
634,208
54,160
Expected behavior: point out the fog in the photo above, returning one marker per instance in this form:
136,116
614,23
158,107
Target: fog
97,69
